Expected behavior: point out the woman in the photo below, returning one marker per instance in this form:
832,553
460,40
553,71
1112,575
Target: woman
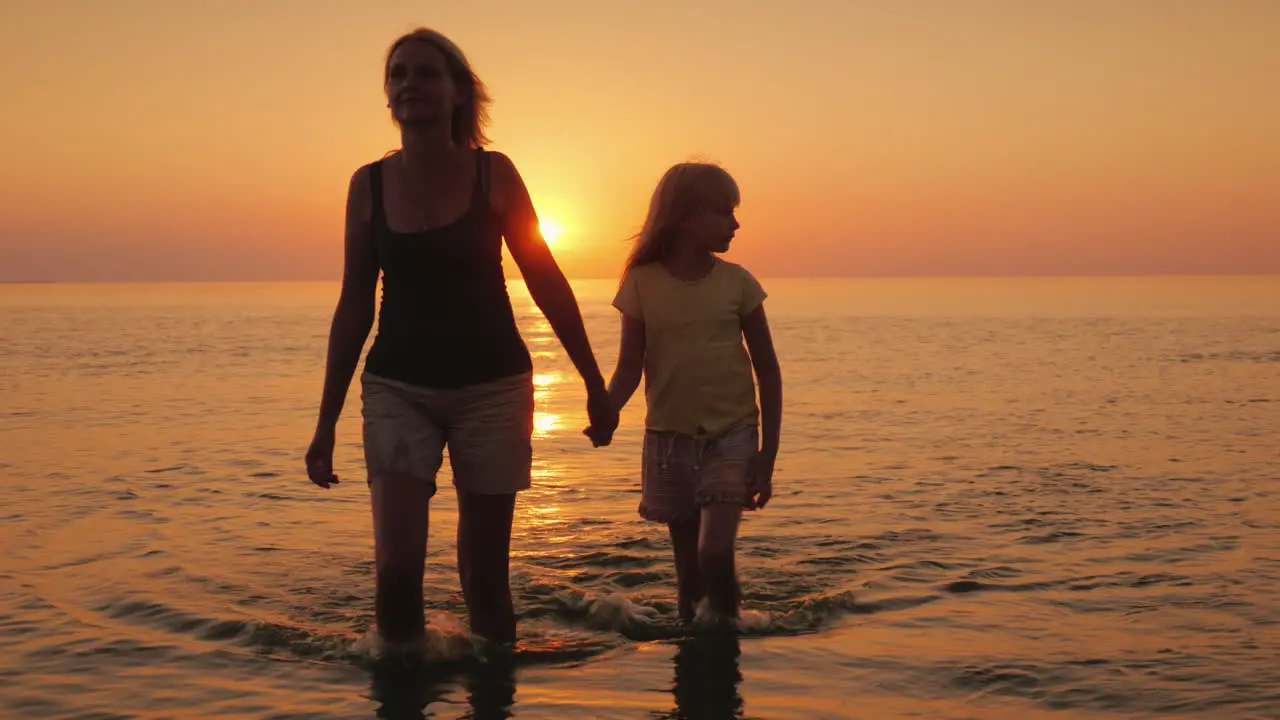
448,365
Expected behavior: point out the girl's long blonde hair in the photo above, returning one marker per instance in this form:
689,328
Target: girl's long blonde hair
684,190
471,117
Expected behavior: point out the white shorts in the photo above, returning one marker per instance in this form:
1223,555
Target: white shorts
488,429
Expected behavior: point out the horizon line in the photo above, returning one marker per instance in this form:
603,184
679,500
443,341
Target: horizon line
517,278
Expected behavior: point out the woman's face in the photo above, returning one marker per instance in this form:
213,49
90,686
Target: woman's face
420,88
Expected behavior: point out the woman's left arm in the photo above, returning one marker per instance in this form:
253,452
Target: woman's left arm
755,329
547,284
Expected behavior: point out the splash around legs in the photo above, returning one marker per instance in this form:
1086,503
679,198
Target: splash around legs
706,573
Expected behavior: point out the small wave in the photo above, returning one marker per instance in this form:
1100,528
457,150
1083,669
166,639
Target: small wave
269,496
643,617
1053,537
445,642
560,624
257,635
1259,357
962,587
641,543
615,612
996,572
601,559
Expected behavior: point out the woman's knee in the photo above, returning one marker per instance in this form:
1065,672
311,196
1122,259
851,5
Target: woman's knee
486,583
399,570
484,525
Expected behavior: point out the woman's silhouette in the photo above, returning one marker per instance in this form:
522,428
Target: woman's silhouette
448,365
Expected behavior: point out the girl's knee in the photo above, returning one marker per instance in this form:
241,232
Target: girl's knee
713,556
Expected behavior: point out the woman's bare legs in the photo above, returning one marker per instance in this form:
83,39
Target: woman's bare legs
484,560
400,518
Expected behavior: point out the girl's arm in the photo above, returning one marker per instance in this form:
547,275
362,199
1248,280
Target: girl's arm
755,328
626,376
547,284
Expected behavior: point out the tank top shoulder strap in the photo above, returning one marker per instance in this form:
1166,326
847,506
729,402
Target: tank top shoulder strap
378,217
480,197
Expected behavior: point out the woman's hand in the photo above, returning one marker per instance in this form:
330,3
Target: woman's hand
320,458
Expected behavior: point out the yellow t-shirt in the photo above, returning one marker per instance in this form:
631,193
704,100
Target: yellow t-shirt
698,375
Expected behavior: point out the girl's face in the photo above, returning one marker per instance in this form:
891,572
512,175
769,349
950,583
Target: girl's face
711,228
419,86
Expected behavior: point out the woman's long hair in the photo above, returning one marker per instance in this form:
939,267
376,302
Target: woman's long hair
470,117
683,191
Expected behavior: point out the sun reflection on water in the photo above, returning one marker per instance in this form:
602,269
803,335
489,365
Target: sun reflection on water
541,515
544,423
546,379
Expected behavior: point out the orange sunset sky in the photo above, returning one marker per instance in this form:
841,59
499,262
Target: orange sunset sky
203,139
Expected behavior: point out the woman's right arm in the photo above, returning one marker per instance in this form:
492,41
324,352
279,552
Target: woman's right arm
353,318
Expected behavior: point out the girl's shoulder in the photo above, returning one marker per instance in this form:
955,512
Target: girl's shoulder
642,269
643,274
744,286
736,271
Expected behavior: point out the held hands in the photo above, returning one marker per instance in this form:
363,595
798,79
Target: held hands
760,480
602,418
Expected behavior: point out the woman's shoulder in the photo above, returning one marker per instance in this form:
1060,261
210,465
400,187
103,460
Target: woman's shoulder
505,183
360,192
363,173
365,176
502,169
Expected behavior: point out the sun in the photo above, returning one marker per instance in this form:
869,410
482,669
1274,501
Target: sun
551,230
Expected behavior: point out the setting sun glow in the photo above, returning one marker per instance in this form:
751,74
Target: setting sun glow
1060,137
551,230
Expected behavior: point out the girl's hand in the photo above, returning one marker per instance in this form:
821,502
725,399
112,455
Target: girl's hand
760,481
598,439
603,418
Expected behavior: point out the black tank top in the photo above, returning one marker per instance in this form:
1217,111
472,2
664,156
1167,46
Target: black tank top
446,319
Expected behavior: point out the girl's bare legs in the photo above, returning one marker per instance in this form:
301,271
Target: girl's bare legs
719,532
400,517
684,542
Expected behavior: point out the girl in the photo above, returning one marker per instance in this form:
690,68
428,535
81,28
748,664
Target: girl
709,451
